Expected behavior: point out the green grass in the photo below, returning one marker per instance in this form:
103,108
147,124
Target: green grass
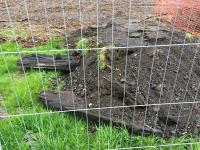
55,44
13,47
9,47
8,62
56,131
23,90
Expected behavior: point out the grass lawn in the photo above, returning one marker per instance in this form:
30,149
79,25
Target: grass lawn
56,130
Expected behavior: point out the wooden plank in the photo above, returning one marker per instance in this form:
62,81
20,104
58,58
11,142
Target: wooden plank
64,101
49,62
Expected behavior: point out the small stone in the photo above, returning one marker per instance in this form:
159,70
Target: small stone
185,77
135,35
159,87
175,71
50,79
195,89
153,86
80,86
123,80
141,99
133,83
156,108
82,93
90,105
184,133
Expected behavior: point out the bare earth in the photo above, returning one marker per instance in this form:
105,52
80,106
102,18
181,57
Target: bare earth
39,13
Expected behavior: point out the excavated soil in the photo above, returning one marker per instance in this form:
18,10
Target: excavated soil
165,97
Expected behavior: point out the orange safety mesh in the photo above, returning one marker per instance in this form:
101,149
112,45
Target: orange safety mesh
183,14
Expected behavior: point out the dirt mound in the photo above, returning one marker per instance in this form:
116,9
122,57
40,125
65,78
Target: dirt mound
165,97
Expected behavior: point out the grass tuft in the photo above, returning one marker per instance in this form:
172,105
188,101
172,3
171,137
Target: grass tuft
189,36
101,57
84,45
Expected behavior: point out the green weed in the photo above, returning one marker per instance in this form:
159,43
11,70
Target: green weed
189,36
102,60
84,45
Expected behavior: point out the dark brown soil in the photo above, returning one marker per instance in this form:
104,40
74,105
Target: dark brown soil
36,11
156,103
28,42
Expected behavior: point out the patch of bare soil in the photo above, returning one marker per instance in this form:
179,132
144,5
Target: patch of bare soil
165,97
50,19
2,40
29,42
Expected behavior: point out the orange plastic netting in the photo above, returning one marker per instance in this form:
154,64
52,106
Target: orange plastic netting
183,14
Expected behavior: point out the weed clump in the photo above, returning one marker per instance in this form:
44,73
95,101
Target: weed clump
83,44
101,56
189,36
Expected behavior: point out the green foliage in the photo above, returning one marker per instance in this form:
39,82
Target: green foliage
13,47
55,44
83,44
101,57
9,47
189,36
8,63
23,91
61,131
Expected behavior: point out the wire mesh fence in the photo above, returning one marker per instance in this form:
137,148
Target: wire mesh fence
104,74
